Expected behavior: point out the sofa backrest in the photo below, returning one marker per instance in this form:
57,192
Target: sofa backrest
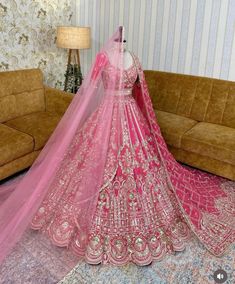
21,93
200,98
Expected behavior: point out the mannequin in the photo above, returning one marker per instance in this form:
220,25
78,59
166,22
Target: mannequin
127,57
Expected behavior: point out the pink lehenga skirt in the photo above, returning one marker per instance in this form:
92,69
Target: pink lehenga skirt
138,217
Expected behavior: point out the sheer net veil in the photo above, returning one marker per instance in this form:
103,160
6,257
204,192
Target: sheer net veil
20,200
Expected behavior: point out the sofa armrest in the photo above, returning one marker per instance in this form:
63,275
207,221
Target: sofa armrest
57,101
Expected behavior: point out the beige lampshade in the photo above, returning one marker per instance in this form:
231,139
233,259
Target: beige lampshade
73,37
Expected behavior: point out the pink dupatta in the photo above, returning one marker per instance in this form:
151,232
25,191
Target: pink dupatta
207,202
21,200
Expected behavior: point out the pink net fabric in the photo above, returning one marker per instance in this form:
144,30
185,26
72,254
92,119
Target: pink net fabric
18,209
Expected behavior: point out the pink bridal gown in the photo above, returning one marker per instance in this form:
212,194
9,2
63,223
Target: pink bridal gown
148,204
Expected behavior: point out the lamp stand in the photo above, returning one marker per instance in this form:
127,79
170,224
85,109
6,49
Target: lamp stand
73,75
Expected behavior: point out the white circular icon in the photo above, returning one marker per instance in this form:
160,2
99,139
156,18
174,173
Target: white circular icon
220,276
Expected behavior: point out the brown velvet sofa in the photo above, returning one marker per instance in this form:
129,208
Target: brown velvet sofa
29,112
197,119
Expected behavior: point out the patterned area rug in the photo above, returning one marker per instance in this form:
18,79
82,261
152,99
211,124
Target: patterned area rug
194,265
36,260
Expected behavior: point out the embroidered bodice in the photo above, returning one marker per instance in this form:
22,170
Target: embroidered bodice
111,77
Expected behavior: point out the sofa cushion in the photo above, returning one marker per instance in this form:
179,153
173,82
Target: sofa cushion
29,102
21,93
204,163
20,81
211,140
39,125
199,98
7,108
229,111
24,103
18,165
173,127
13,144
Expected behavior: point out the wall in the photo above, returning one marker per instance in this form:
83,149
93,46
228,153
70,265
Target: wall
184,36
27,36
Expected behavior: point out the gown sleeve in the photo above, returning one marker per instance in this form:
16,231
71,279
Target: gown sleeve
100,62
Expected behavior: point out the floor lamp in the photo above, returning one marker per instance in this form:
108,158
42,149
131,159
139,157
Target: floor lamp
74,39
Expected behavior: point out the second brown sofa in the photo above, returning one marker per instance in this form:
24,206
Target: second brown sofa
197,119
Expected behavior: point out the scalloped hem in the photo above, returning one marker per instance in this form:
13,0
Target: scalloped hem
141,256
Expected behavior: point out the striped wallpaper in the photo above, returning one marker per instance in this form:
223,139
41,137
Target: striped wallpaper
184,36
